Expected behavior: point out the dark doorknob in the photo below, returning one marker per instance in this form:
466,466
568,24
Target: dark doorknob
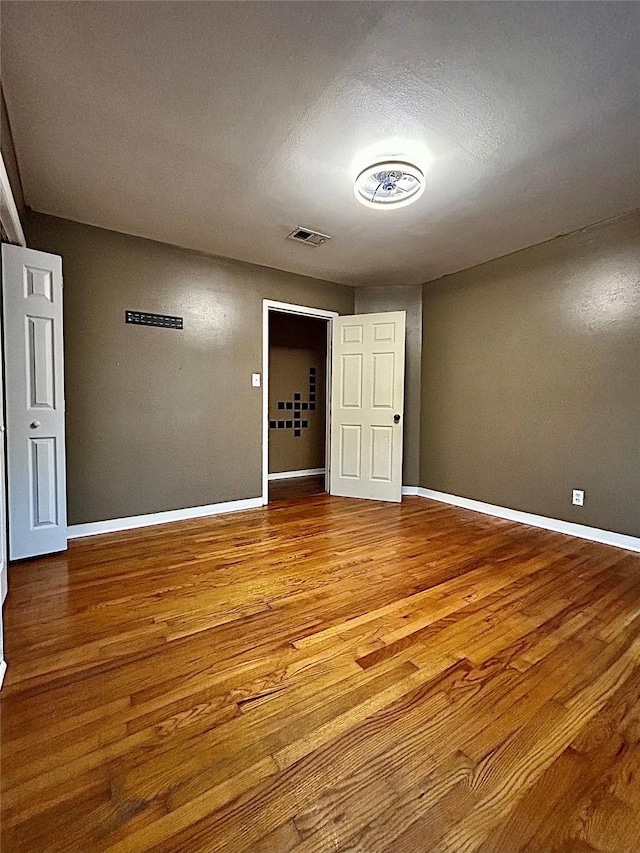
396,419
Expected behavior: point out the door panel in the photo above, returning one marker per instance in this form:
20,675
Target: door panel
383,371
36,500
41,361
38,282
44,488
352,333
367,394
384,332
350,450
352,381
382,453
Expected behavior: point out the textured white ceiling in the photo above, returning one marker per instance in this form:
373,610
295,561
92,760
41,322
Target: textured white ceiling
223,126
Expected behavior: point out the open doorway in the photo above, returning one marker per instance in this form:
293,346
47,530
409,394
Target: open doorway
297,405
295,371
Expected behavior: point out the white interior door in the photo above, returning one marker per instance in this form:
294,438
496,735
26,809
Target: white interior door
367,398
3,501
34,376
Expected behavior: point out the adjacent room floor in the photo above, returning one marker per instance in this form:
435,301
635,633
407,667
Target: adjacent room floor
295,488
324,675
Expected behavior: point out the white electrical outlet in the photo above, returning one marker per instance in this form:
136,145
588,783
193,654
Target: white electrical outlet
578,497
255,380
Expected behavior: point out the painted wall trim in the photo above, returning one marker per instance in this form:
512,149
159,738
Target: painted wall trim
94,528
8,211
582,531
302,472
3,669
594,534
289,308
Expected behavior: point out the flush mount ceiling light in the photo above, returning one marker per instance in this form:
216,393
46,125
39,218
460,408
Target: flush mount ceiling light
390,184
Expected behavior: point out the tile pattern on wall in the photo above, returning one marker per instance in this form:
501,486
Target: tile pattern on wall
297,406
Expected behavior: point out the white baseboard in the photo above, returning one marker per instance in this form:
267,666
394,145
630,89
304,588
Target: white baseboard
594,534
3,669
303,472
76,531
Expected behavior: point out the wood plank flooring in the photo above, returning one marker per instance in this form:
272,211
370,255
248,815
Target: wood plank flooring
324,675
296,487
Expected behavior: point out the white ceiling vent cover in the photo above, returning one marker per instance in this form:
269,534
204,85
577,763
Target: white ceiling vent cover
391,184
306,235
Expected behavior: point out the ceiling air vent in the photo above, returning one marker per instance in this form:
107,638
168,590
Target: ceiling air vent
306,235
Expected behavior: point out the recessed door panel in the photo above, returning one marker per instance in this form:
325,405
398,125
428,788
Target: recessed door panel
352,334
384,332
38,283
351,385
383,376
382,453
44,485
41,363
350,451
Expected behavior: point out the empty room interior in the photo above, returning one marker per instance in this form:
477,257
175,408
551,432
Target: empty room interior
320,427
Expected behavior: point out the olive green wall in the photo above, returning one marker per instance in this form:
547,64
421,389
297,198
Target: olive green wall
531,379
370,300
528,384
161,419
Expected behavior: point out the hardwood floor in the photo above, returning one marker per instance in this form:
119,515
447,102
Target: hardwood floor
295,488
324,675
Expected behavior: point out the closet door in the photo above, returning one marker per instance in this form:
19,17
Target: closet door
3,499
34,377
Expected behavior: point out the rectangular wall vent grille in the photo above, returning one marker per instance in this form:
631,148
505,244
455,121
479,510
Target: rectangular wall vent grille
140,318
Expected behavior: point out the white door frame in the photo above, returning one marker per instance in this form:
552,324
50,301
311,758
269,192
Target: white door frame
304,311
9,216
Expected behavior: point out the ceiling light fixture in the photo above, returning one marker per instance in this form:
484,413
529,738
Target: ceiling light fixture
389,184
